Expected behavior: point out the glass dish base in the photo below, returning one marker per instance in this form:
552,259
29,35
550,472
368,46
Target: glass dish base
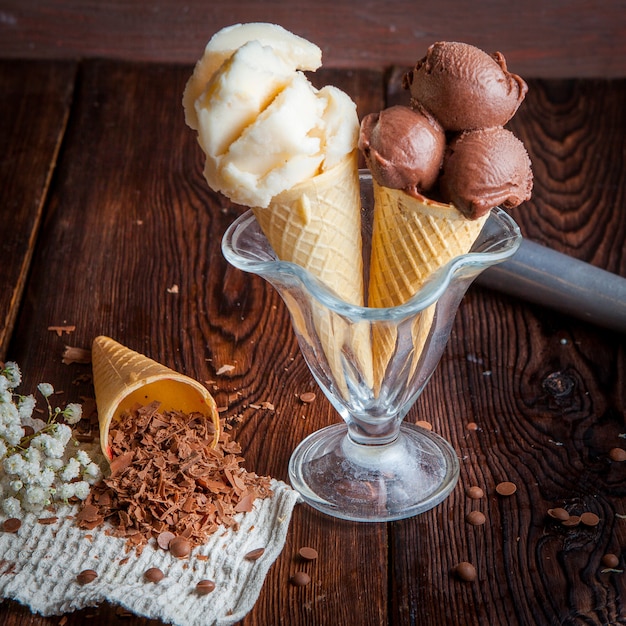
373,483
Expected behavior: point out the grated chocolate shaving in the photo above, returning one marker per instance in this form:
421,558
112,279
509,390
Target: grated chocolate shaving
165,477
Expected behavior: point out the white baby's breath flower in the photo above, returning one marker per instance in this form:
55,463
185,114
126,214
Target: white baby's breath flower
12,373
9,414
25,407
70,471
53,464
36,495
3,448
14,464
46,478
45,389
72,413
12,434
49,445
65,491
16,485
5,385
11,507
82,457
62,433
92,473
32,455
81,489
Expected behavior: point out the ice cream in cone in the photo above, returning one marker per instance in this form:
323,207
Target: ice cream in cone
123,378
287,150
437,173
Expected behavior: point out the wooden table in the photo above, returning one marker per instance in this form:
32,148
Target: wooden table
107,226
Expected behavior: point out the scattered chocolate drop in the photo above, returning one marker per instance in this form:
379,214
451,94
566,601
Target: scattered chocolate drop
475,492
476,518
506,488
610,560
86,576
307,397
424,424
164,538
559,514
255,554
204,587
153,575
11,525
472,426
180,547
307,553
589,519
465,571
571,521
617,454
300,579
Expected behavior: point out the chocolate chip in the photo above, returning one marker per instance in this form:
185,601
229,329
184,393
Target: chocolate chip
589,519
559,514
472,426
300,579
308,554
307,397
610,560
475,492
506,488
424,424
205,587
164,538
617,454
571,521
465,571
86,576
153,575
11,525
475,518
180,547
255,554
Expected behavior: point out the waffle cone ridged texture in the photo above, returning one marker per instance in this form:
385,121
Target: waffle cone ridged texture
123,377
411,239
317,225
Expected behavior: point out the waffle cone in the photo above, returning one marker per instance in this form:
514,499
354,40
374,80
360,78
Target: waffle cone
123,378
411,239
317,225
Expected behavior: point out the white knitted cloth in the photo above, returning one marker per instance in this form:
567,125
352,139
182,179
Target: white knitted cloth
39,565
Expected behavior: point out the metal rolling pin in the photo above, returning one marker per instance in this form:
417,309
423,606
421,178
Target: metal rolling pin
543,276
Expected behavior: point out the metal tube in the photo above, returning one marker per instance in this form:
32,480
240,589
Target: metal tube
543,276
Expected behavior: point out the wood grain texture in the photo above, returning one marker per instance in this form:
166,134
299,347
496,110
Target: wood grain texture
35,102
553,39
128,216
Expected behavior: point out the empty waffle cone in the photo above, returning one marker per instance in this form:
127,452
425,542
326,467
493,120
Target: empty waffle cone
411,240
317,225
123,378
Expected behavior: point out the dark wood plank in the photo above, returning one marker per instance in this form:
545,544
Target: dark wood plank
560,38
129,217
35,99
548,396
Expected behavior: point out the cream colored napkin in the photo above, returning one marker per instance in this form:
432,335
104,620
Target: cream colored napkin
39,565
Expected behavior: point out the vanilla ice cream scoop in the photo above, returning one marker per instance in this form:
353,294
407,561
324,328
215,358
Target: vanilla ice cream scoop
263,126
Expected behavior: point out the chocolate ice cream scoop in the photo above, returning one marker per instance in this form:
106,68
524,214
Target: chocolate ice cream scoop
403,148
464,87
483,169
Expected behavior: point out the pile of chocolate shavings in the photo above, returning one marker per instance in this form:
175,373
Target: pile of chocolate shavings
166,477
